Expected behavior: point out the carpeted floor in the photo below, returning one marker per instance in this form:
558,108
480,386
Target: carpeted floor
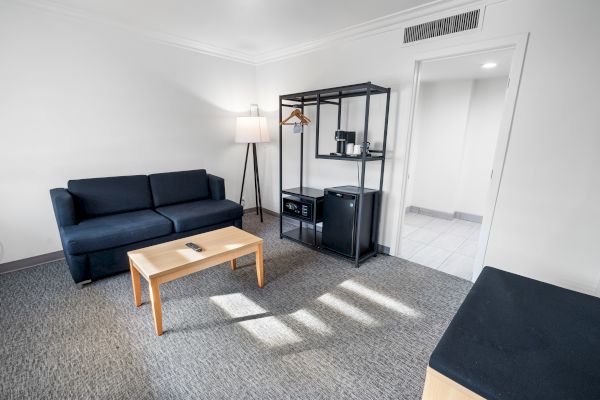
319,329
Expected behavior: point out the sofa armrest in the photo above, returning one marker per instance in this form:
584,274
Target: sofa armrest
217,187
64,207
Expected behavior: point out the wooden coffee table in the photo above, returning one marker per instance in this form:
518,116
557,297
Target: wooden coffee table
168,261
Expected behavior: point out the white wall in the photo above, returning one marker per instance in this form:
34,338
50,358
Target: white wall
79,101
454,139
547,215
83,100
481,136
441,118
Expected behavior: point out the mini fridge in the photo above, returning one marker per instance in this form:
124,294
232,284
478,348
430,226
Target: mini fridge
341,222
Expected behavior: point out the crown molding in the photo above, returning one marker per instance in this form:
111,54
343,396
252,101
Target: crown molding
388,23
153,35
373,27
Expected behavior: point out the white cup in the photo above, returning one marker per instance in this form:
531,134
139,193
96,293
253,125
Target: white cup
357,149
349,148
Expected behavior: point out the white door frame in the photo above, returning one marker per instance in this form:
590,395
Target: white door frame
519,45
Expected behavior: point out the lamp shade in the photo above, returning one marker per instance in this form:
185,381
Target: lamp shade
251,130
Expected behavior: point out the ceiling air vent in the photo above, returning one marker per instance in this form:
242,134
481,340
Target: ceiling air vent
442,26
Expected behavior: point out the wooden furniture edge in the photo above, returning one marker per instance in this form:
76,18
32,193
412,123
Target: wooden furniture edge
233,254
136,283
154,292
132,264
185,239
260,268
440,387
155,280
188,269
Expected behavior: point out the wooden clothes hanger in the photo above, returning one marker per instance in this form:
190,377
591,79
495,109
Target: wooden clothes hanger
304,120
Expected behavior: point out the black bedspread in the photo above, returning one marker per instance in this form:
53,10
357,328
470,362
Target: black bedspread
518,338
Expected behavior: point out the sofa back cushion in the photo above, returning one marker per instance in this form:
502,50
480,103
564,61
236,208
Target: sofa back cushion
179,187
101,196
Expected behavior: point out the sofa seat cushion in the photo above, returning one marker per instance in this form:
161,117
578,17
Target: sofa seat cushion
198,214
114,230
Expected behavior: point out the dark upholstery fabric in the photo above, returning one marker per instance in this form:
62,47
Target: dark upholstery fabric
101,219
64,207
179,187
197,214
112,261
217,187
238,223
518,338
79,266
102,196
114,230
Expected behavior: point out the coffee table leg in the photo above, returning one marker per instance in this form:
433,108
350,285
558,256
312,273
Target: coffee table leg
260,271
156,307
233,264
135,281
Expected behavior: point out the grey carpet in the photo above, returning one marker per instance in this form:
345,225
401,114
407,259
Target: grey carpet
319,329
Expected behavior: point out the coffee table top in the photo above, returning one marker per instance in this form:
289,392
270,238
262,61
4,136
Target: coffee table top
165,258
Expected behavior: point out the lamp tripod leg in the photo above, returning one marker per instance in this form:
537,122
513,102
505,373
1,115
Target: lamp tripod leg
257,181
255,184
244,176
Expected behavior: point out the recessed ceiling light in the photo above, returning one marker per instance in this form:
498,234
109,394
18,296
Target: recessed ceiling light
489,65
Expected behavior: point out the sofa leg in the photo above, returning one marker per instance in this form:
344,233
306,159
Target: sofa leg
82,283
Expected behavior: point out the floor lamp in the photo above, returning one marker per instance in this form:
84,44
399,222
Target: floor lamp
252,130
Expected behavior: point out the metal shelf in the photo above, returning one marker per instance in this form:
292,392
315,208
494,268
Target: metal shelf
309,236
305,192
335,93
350,158
305,237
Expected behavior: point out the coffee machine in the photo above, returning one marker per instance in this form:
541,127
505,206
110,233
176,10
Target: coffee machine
343,138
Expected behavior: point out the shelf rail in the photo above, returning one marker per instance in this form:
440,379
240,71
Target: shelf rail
334,96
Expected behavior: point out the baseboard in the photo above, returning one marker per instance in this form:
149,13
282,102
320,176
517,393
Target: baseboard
265,211
383,249
430,212
30,262
468,217
59,255
445,215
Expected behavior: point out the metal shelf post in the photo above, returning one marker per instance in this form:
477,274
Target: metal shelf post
334,96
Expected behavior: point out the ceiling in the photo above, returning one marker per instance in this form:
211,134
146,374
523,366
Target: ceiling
467,67
247,27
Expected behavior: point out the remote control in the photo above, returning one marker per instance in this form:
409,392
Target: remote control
194,247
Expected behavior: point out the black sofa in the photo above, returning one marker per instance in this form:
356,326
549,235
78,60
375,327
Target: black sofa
101,219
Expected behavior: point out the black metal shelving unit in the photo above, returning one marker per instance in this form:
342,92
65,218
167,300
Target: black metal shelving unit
313,197
324,97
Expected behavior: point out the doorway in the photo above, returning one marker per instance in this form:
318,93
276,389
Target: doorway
460,123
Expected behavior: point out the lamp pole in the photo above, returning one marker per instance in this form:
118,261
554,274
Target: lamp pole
251,130
257,196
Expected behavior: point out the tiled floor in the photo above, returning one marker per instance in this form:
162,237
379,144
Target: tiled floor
445,245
